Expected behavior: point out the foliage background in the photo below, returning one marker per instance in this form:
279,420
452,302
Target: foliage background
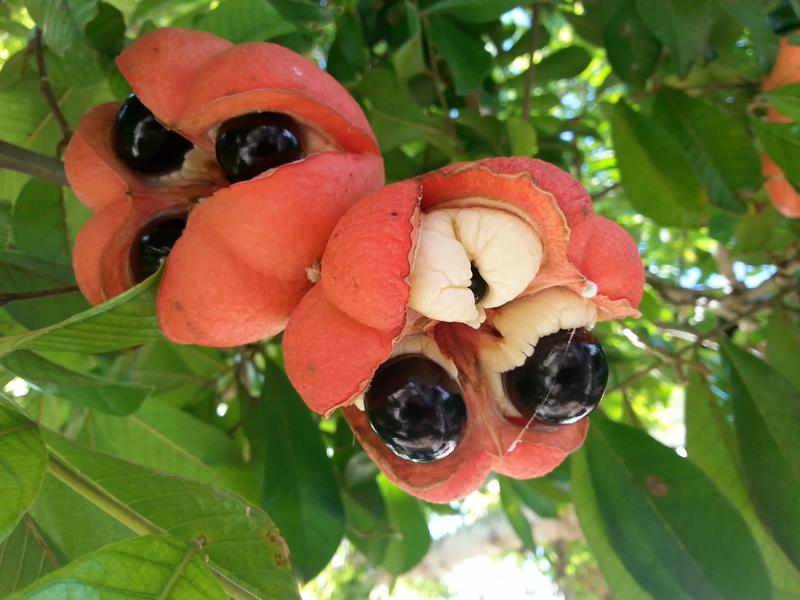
654,104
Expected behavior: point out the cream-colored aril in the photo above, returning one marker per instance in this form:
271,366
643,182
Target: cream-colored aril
503,248
521,323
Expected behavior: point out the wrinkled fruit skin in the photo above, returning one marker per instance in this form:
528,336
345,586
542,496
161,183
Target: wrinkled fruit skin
240,266
358,316
786,71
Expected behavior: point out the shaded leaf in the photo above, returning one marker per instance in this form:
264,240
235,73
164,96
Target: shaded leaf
620,582
566,63
300,488
95,392
783,340
411,539
245,21
39,222
62,21
477,11
408,60
464,54
150,566
674,520
782,143
632,49
682,25
24,557
656,176
512,507
124,321
711,445
23,458
751,15
719,147
786,100
21,273
767,411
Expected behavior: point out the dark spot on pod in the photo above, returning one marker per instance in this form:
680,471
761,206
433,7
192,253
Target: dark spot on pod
144,144
154,243
477,284
253,143
562,381
416,408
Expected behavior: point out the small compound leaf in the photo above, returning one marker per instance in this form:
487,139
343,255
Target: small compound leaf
566,63
464,54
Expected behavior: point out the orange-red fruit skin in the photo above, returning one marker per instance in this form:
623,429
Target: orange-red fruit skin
780,191
346,326
244,259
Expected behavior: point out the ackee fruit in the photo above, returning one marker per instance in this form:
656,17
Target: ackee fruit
233,164
479,283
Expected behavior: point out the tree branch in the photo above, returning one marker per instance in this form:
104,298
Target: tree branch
530,74
34,164
47,92
7,297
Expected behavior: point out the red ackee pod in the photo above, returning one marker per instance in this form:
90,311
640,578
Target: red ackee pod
786,71
373,304
245,256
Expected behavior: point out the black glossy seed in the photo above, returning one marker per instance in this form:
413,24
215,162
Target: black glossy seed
478,285
154,244
251,144
144,144
564,379
416,408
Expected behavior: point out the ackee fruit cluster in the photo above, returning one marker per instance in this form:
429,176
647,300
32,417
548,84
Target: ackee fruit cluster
450,315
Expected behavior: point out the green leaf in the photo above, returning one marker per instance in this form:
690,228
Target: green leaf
512,507
632,49
755,230
540,495
656,176
300,488
786,100
464,54
476,11
122,322
620,582
91,391
521,136
408,60
782,143
412,540
6,234
245,21
751,15
243,547
39,222
711,445
767,412
367,521
62,21
151,566
783,340
25,556
346,57
396,118
21,273
22,463
719,147
681,25
667,521
566,63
